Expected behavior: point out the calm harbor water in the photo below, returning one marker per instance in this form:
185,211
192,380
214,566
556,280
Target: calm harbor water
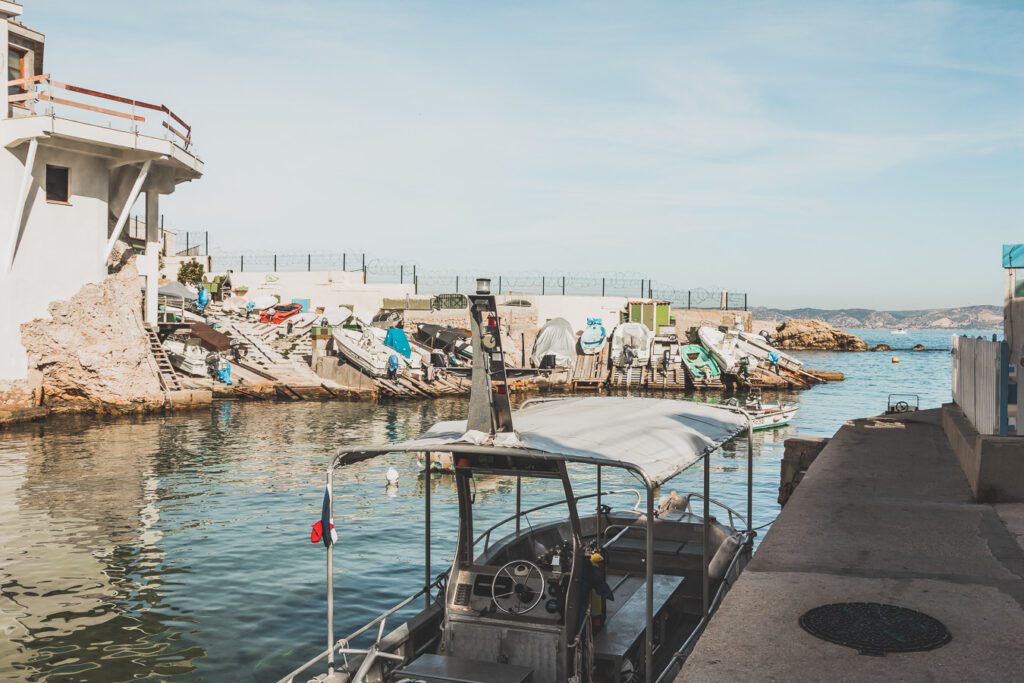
177,548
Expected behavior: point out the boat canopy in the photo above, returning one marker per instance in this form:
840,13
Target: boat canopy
657,438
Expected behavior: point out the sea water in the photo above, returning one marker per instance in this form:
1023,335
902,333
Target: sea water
178,548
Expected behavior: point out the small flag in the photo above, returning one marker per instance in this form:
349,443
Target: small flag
326,522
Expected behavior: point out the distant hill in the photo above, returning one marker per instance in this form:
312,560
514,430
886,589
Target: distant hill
968,317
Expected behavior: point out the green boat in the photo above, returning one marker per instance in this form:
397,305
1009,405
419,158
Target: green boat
701,365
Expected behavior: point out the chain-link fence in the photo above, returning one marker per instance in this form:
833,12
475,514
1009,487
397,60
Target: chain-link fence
428,281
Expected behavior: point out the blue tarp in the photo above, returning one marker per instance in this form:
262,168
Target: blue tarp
397,340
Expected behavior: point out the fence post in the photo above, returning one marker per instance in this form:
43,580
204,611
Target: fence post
241,263
689,301
499,284
563,285
744,302
401,273
602,286
415,281
206,238
542,285
456,284
309,263
650,290
186,243
343,265
1003,388
275,263
364,266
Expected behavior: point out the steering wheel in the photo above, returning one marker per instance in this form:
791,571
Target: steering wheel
901,407
527,587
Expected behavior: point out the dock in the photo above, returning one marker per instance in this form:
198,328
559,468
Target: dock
884,514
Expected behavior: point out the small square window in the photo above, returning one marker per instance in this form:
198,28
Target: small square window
58,184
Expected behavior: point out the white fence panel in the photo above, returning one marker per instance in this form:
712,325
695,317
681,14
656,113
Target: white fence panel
979,382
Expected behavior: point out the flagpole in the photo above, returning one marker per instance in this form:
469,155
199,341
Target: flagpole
330,576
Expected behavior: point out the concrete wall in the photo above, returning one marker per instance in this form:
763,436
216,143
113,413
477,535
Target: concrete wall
994,465
322,288
687,318
61,246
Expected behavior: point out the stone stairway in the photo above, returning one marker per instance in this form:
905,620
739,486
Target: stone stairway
168,377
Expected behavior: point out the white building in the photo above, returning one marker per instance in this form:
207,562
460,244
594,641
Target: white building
73,161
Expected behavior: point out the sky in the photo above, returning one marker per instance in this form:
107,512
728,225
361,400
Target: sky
825,154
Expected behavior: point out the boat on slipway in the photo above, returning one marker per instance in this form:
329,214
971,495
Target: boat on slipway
758,347
594,337
724,348
700,364
555,346
364,347
187,355
631,344
608,592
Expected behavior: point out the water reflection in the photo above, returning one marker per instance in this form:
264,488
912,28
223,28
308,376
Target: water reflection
178,548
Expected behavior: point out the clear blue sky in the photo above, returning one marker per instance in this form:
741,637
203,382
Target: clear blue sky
811,153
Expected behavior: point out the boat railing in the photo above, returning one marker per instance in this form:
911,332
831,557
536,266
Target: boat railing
343,646
680,656
486,535
733,514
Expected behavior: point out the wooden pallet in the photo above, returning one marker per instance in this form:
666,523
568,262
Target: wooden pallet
591,372
168,376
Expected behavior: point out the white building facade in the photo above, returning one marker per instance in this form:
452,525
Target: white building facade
73,162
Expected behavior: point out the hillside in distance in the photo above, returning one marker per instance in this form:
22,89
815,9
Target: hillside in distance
967,317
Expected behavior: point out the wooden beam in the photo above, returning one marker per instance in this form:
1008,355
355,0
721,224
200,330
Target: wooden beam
87,107
106,96
22,82
175,131
24,97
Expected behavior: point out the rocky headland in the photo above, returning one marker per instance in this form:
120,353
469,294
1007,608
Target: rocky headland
815,335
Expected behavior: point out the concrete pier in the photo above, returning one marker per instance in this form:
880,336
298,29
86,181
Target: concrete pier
884,514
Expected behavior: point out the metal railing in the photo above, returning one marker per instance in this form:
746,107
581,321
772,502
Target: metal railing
342,646
42,88
486,535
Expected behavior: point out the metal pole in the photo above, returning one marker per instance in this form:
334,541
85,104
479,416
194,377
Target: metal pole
689,305
641,288
750,475
401,274
207,243
343,264
542,285
563,285
241,263
275,263
744,302
456,284
649,630
426,535
330,579
499,284
186,242
364,262
706,591
602,286
598,503
415,281
519,500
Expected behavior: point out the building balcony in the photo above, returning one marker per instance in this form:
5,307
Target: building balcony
125,129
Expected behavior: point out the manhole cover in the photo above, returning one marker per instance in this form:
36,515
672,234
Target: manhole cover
874,628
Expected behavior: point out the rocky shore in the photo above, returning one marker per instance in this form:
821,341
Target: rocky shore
815,335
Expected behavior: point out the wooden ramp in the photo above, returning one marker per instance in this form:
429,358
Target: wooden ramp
591,371
414,386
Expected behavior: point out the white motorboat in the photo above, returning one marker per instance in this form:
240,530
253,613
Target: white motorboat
637,338
724,347
365,349
188,356
899,330
768,415
757,346
590,589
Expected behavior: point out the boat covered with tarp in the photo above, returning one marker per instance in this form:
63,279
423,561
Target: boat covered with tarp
594,337
615,584
363,346
395,339
555,346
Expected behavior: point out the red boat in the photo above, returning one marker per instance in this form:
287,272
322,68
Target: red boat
279,313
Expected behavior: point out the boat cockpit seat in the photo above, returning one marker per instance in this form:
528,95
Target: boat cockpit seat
431,668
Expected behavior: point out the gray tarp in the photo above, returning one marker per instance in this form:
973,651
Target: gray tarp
555,338
659,437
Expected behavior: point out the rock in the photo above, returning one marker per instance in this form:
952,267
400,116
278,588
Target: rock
880,347
814,335
93,352
918,347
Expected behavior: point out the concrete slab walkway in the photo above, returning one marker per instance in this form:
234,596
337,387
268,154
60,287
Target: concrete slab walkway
884,514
